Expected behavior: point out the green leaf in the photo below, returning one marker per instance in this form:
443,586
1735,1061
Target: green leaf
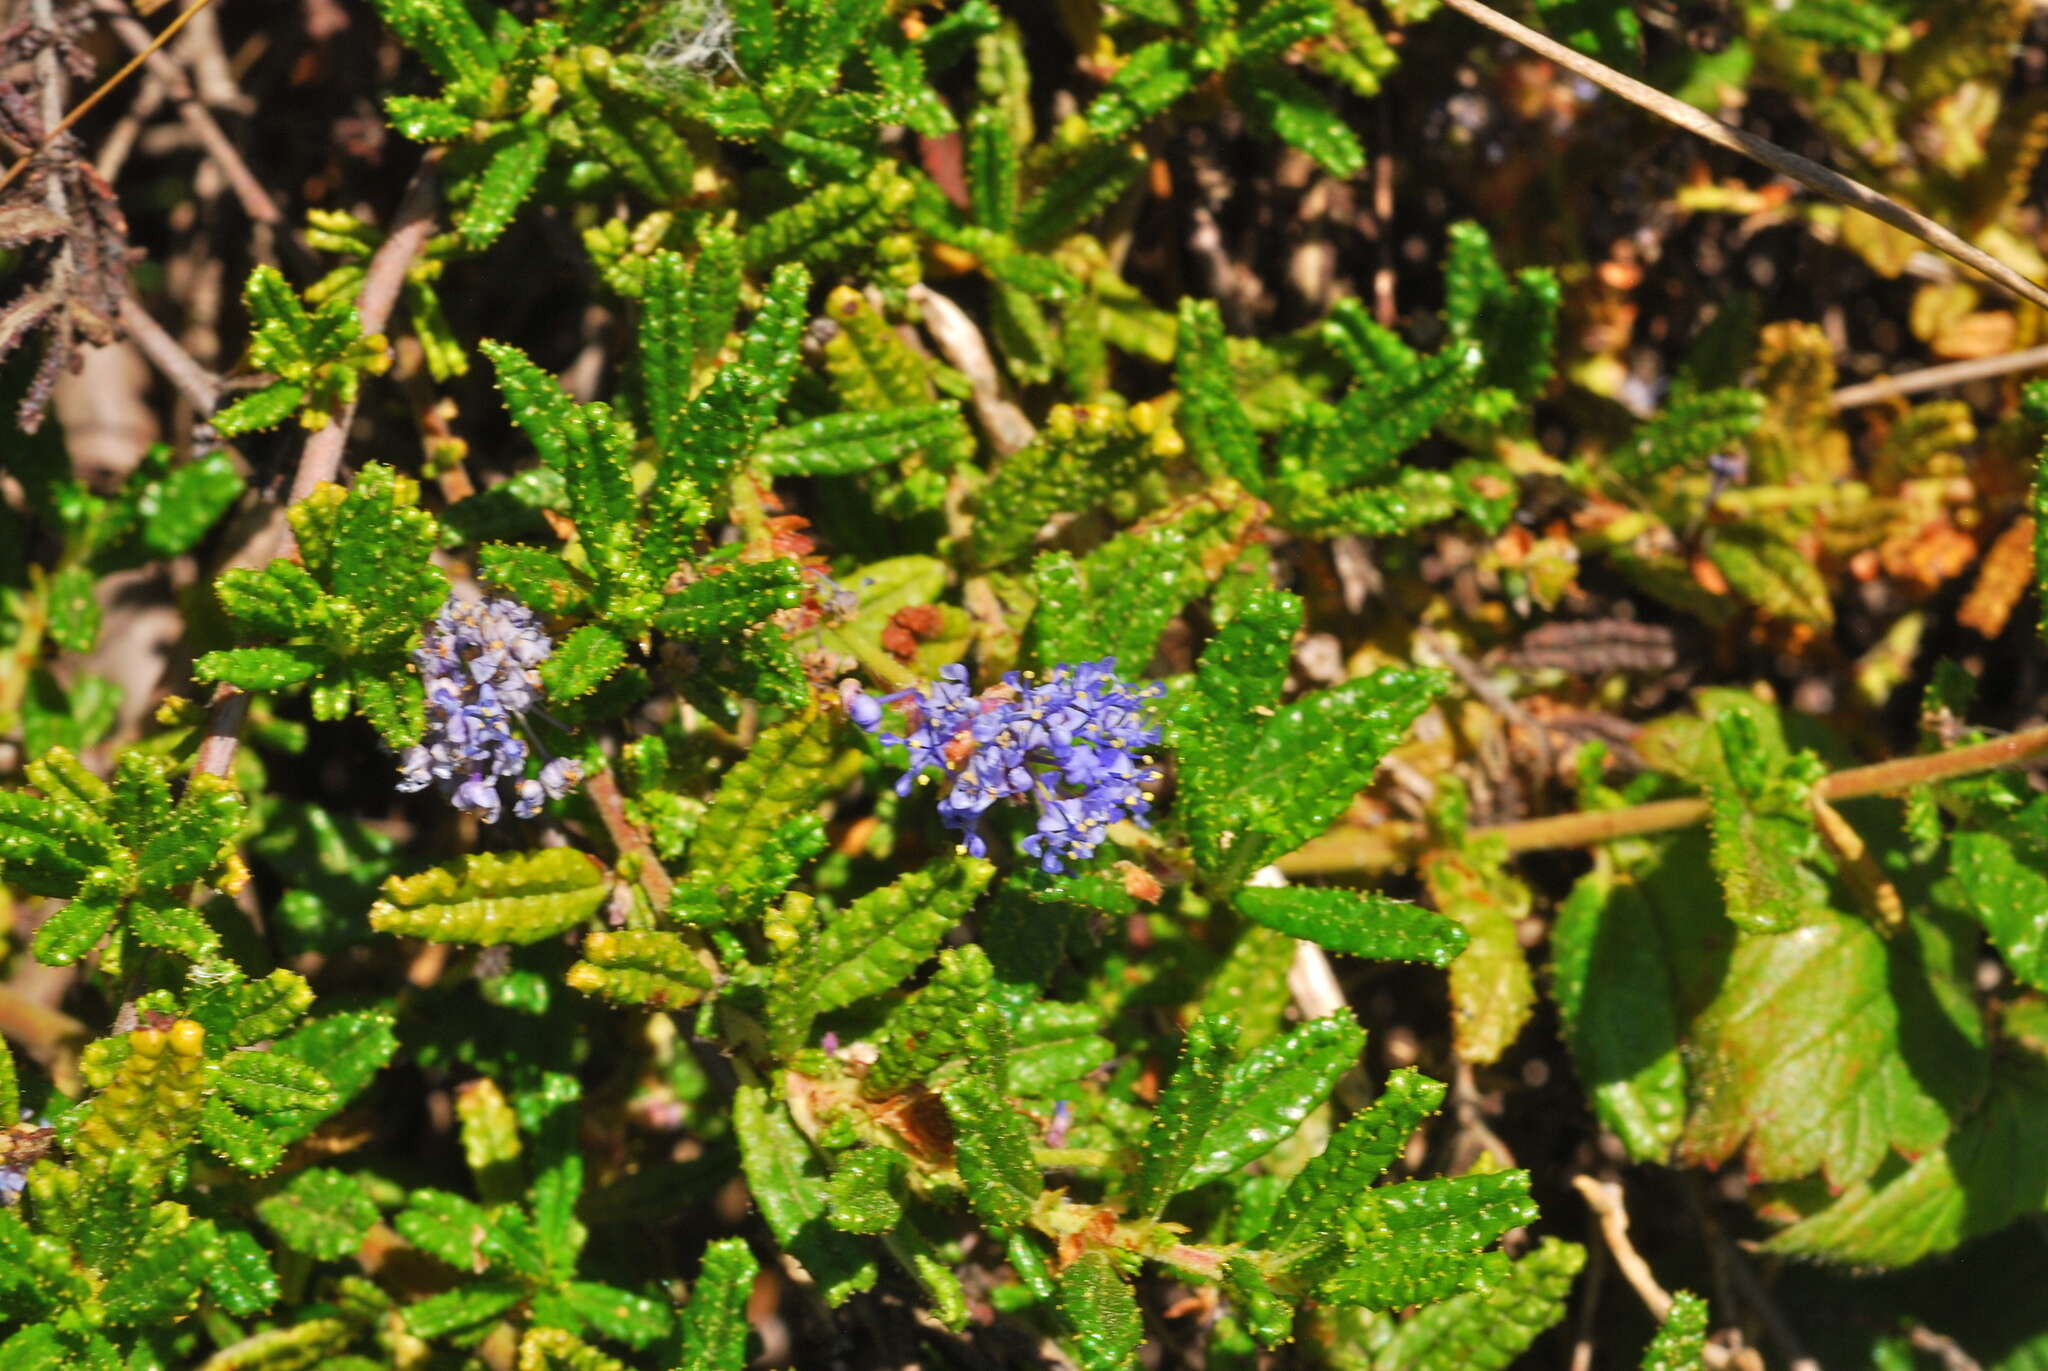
74,615
2001,862
1620,942
1423,1240
172,927
1808,1057
1145,86
722,607
715,1319
244,1013
621,1315
348,1049
788,1186
1362,923
161,1279
263,668
1485,1331
717,429
993,1144
864,1194
237,1138
1512,321
1305,1219
240,1277
1691,426
1082,456
1492,990
871,366
322,1213
445,33
1054,1045
1268,1094
502,187
10,1085
950,1016
1760,813
781,777
1772,572
446,1227
582,662
178,510
73,931
1315,755
635,967
1302,117
839,221
554,1118
1177,1141
1681,1341
582,442
992,168
490,899
1218,427
1216,717
1384,415
467,1306
1118,600
1099,1306
1988,1172
850,442
1082,186
538,579
883,936
259,410
281,599
268,1082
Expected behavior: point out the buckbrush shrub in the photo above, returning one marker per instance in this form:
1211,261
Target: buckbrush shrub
872,803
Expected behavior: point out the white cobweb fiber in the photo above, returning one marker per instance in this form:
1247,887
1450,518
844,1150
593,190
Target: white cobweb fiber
696,40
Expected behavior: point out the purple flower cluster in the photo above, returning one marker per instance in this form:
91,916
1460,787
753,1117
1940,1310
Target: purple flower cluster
1073,742
478,660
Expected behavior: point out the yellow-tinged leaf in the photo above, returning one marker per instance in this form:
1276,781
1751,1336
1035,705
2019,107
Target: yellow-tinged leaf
1492,991
485,898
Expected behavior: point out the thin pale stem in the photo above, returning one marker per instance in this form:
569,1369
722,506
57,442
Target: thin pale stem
1355,849
1936,378
1589,827
382,280
1808,173
635,852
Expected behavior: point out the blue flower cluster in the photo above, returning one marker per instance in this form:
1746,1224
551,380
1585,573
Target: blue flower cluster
1073,742
479,661
21,1146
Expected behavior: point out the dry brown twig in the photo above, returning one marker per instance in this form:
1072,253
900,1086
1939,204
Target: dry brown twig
961,343
1605,1199
195,382
106,87
249,191
1807,172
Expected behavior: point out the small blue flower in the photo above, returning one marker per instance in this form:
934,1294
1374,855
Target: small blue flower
478,660
1073,743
